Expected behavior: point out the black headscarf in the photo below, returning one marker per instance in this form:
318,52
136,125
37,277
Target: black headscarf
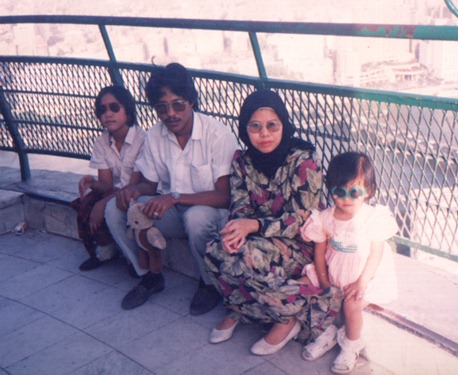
268,163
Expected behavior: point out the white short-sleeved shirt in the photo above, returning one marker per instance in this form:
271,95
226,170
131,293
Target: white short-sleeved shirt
206,157
105,155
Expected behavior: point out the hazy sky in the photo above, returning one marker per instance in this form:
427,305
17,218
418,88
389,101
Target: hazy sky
266,10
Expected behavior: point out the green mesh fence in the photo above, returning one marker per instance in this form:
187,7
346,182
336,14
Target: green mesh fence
413,140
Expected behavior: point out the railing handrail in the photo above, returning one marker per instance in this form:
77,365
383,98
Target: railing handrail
405,31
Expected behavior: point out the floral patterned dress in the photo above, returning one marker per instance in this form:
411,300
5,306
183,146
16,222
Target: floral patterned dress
259,281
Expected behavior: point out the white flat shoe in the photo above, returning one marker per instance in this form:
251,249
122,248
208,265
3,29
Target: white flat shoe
221,335
263,348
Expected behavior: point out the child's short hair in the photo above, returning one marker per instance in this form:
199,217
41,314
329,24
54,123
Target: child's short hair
177,78
349,166
124,97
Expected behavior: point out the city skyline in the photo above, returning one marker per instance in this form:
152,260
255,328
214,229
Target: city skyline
398,65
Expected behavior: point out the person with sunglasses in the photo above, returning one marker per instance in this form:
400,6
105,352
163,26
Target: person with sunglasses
185,171
351,253
114,154
258,258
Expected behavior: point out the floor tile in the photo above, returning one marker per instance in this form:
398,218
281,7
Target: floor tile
11,266
31,281
112,363
167,344
32,338
77,301
15,315
63,357
126,326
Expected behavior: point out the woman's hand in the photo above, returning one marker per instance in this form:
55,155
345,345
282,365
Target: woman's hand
97,216
355,290
234,233
85,184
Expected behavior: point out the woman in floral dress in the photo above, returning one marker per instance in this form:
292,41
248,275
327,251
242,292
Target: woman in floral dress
260,254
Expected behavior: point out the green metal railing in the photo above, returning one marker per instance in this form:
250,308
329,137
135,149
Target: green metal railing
46,107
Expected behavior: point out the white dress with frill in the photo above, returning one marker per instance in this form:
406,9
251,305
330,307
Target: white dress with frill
349,245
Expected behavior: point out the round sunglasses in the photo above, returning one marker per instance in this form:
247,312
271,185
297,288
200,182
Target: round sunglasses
101,109
354,193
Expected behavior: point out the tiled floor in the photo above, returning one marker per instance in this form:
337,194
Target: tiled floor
55,320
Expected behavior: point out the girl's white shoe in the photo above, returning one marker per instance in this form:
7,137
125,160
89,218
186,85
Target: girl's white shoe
263,348
322,344
221,335
346,360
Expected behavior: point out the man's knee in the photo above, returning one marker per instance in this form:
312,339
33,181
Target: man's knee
113,214
200,220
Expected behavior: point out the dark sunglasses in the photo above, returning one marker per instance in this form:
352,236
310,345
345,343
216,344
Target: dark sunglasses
114,107
354,193
163,108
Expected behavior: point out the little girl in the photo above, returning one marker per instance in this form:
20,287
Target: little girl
114,154
351,253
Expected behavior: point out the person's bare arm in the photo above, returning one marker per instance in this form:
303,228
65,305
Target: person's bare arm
218,198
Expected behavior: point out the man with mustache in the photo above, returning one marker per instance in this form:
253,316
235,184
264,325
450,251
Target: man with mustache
185,186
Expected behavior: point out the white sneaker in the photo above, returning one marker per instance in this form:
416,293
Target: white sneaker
322,344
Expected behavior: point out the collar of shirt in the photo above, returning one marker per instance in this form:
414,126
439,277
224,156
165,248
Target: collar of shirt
130,137
196,128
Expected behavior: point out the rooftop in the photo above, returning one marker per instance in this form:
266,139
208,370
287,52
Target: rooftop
58,320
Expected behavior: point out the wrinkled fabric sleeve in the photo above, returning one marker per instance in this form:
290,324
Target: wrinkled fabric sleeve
312,230
241,207
305,195
145,163
98,156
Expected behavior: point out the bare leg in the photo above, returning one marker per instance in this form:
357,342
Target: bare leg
353,310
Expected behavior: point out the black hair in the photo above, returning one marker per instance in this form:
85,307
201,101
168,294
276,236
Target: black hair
175,77
124,97
349,166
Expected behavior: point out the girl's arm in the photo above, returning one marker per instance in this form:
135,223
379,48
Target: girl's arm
358,288
320,265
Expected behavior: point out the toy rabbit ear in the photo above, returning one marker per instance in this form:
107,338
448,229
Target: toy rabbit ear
132,202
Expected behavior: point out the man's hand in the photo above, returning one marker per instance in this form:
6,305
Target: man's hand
124,196
85,184
157,206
